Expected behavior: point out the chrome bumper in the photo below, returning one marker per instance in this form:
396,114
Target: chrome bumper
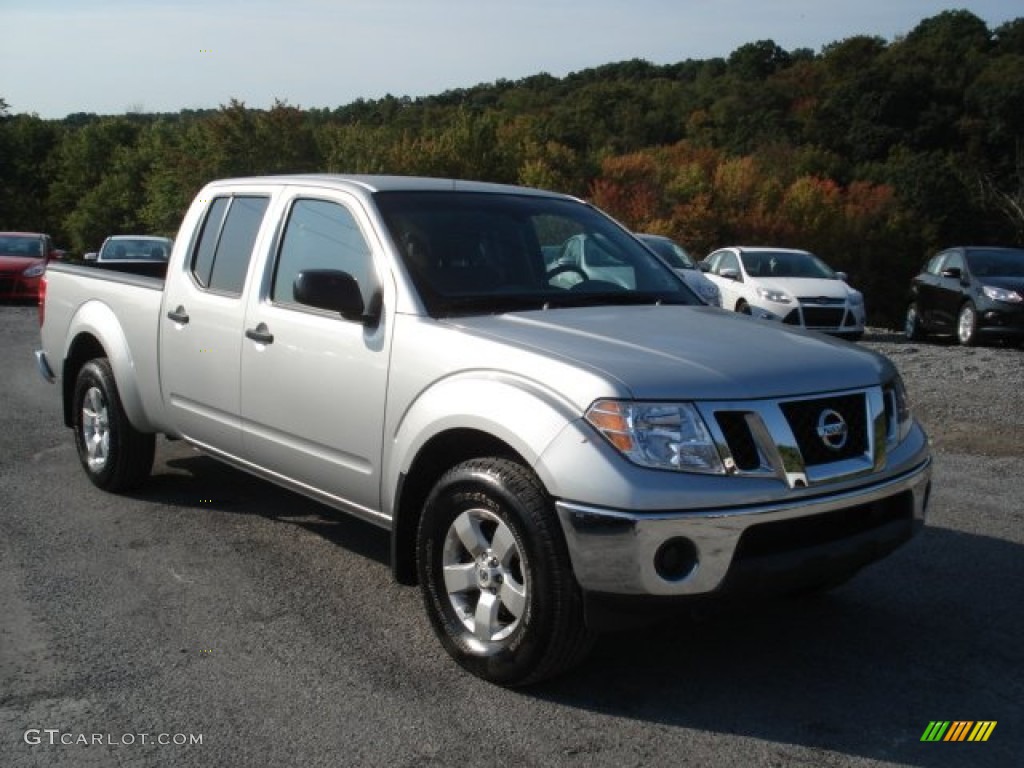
615,551
44,366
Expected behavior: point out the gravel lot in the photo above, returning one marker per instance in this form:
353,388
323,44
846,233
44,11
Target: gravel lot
970,399
210,603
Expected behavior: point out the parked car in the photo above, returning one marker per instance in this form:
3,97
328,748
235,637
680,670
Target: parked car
23,259
138,254
973,292
685,266
586,258
788,285
134,248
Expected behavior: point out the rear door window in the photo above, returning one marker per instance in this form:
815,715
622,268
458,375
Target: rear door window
221,257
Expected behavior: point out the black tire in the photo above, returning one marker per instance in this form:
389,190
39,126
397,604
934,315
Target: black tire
912,327
115,455
491,524
967,325
743,308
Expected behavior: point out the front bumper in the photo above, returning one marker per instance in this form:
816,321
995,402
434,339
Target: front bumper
729,549
43,366
837,319
1002,320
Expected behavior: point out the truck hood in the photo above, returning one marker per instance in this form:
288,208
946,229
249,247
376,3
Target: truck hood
688,353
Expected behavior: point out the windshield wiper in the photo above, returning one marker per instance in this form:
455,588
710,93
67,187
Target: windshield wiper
611,298
490,304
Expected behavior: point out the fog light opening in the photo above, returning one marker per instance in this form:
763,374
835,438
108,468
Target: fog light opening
675,559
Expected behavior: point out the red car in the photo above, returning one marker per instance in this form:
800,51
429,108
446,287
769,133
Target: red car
23,258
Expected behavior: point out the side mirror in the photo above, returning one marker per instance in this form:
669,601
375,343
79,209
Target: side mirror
730,274
91,256
955,272
842,276
336,291
703,266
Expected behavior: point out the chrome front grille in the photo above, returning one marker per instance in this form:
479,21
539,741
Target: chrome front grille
800,440
803,417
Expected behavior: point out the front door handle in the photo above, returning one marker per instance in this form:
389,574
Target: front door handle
178,315
260,334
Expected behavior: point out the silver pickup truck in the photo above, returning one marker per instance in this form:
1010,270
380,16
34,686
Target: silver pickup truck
549,452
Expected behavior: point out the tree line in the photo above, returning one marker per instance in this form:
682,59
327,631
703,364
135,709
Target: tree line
871,153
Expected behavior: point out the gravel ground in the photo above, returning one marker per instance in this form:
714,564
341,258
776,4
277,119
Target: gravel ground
969,399
211,603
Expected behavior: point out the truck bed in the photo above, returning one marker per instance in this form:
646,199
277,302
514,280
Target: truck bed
120,307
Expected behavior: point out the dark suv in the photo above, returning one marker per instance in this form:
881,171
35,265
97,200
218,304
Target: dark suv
973,292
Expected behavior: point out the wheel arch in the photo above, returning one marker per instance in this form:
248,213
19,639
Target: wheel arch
439,454
84,347
94,332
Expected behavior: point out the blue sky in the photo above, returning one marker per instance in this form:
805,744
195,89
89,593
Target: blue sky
111,56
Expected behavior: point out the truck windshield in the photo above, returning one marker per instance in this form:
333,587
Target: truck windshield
482,252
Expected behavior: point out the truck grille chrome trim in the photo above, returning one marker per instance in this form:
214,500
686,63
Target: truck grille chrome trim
804,441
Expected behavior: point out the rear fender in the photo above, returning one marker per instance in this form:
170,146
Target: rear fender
96,321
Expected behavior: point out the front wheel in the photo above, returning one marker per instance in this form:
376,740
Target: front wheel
967,325
912,327
495,575
115,455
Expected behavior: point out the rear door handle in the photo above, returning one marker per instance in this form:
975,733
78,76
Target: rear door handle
260,334
178,315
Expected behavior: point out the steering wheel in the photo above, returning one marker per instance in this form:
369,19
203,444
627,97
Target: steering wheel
597,286
562,269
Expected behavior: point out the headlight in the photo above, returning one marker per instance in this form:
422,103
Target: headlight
34,271
897,410
1002,294
779,297
660,435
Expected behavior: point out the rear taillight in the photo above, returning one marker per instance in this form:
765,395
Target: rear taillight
42,300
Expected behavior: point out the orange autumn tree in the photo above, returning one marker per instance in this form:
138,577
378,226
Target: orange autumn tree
705,200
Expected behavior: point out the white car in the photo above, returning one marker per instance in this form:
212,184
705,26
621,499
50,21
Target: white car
133,248
684,265
791,286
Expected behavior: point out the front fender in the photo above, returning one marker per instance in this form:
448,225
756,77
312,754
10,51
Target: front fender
523,414
97,320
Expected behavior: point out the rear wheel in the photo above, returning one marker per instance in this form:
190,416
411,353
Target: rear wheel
115,455
495,575
967,325
912,327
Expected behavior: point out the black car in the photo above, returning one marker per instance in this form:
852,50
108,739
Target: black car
974,292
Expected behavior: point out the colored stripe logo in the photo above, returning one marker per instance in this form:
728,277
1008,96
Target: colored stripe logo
958,730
